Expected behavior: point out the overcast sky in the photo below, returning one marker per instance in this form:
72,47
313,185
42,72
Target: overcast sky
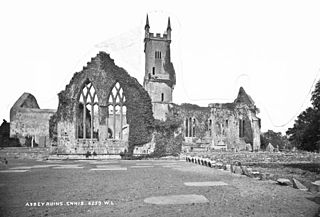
271,48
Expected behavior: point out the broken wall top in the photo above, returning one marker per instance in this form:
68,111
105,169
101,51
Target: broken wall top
26,100
244,98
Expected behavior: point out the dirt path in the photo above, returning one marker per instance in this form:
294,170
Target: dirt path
122,188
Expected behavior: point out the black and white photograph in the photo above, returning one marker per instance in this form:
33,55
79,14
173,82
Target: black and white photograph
160,108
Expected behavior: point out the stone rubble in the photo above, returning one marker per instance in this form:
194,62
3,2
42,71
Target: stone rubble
283,181
298,185
237,168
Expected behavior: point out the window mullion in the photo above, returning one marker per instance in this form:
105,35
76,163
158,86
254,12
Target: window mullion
92,118
84,118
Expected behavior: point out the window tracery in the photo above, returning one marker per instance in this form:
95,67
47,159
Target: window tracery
117,110
88,114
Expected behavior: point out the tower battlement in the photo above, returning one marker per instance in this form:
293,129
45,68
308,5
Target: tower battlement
157,36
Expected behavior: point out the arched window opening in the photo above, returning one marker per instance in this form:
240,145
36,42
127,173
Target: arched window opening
194,128
153,70
110,135
162,97
88,113
241,128
210,127
116,113
186,127
218,128
190,127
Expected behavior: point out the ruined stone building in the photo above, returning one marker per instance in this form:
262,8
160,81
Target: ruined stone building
104,110
29,123
229,126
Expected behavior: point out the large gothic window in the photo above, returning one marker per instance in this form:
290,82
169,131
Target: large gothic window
87,115
117,122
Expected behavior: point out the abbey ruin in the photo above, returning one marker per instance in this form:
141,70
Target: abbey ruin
104,110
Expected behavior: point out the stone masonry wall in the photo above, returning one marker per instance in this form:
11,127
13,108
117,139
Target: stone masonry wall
28,122
201,115
103,74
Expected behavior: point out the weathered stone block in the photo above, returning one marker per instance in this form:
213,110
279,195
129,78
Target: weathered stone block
238,170
255,174
228,167
283,181
219,165
245,171
314,187
299,185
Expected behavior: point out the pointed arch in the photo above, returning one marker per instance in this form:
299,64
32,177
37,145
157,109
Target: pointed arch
117,111
88,112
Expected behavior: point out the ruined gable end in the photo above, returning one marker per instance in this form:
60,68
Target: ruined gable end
26,100
103,110
244,98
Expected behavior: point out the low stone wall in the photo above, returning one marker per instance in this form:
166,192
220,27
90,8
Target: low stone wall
246,157
84,157
82,146
237,168
25,153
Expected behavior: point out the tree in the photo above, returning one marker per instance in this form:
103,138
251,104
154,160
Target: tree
315,98
275,138
305,133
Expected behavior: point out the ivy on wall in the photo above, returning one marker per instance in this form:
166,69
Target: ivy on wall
167,143
168,67
53,128
201,114
103,73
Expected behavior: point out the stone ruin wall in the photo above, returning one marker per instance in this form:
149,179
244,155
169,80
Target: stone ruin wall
29,122
224,128
103,74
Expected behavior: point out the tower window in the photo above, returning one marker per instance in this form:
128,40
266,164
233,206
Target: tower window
158,55
153,70
162,97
